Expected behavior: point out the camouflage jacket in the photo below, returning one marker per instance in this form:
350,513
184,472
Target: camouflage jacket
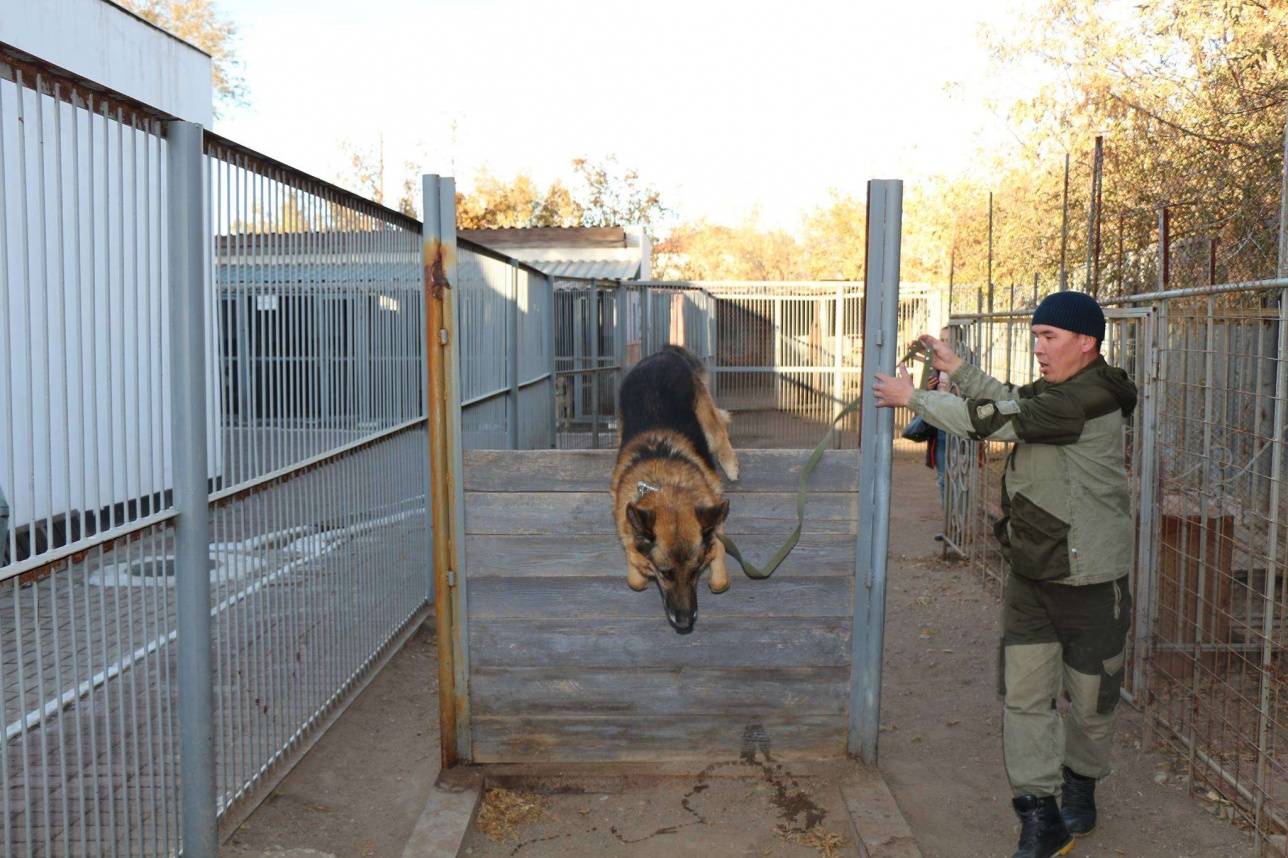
1065,500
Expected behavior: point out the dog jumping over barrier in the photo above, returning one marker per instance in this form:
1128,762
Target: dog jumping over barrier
667,496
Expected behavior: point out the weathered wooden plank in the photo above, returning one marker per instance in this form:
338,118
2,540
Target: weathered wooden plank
609,597
590,470
543,556
574,513
640,693
498,740
643,644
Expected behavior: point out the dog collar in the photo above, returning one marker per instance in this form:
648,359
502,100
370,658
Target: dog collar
642,488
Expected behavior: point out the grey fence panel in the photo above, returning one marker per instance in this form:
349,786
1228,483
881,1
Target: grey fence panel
88,763
320,552
315,445
507,328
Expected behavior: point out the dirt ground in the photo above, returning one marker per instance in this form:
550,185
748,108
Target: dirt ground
360,791
738,808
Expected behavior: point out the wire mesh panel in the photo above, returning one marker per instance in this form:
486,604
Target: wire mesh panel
505,322
320,538
1218,596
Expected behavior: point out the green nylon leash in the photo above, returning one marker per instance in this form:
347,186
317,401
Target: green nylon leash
750,569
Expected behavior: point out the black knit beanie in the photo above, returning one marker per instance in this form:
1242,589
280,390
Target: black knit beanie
1071,311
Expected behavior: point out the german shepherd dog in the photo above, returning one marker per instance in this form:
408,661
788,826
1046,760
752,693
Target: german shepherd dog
667,499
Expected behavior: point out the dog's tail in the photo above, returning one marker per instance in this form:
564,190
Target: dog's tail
695,365
702,383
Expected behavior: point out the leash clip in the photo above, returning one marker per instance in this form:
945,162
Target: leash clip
642,488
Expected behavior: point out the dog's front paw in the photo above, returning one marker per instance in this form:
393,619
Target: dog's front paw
635,580
717,589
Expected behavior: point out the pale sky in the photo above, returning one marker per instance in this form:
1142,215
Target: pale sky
725,107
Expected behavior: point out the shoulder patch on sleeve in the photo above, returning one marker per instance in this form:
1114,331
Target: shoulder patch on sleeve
985,411
1008,406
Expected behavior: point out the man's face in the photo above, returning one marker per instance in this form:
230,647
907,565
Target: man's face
1061,353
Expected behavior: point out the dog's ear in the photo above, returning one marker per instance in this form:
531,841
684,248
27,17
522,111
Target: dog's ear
710,517
641,521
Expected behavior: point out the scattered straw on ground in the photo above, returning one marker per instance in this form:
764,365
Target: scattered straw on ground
827,843
503,811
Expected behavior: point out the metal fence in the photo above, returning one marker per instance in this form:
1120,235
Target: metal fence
604,327
1206,456
787,360
779,355
508,357
313,435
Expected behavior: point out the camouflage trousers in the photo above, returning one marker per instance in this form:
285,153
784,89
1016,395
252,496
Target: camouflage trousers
1055,636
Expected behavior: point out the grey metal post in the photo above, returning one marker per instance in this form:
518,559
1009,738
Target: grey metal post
512,368
552,306
646,311
880,348
594,366
186,207
1146,456
619,335
578,354
838,330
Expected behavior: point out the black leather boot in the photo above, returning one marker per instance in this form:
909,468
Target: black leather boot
1042,832
1078,802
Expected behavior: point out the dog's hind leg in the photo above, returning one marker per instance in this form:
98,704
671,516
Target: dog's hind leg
719,581
715,426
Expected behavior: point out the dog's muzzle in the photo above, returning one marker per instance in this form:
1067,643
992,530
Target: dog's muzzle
675,619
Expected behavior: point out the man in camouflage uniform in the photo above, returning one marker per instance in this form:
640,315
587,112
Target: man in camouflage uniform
1068,534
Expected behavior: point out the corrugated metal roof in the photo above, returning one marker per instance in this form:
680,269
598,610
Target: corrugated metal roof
597,260
599,269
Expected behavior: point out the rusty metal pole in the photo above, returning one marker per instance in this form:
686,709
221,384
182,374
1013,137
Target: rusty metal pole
1164,246
1122,281
1093,220
439,261
990,251
952,270
1064,230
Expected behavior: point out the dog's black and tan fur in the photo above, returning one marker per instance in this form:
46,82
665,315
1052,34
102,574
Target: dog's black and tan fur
667,498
